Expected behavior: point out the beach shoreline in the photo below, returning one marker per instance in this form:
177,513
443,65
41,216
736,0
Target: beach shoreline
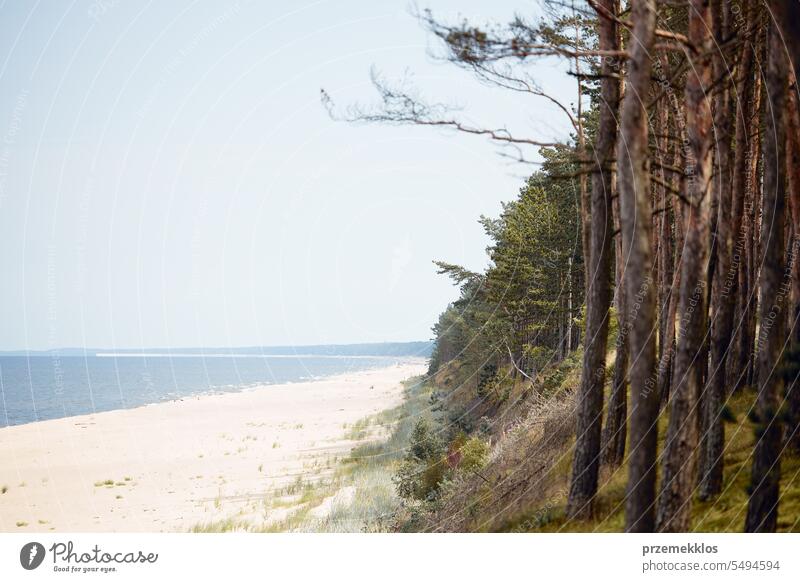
174,465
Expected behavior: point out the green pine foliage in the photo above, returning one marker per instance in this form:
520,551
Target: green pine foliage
523,304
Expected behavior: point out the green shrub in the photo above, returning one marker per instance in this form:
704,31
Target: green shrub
423,444
405,479
423,469
418,480
486,380
432,477
474,454
538,356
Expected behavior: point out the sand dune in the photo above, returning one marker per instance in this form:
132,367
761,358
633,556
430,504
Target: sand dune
170,466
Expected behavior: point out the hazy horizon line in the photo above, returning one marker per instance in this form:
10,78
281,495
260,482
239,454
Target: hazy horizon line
218,351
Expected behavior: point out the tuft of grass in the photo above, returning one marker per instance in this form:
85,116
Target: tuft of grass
359,430
4,489
22,524
106,483
223,526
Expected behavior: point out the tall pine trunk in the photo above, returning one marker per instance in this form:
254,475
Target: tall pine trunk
634,195
762,508
667,358
615,429
666,332
678,478
743,343
793,196
586,459
722,299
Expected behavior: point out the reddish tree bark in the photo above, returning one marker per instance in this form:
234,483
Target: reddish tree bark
634,194
615,429
678,469
586,459
762,508
723,298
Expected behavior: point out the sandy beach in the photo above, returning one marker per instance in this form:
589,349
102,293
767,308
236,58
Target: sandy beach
172,466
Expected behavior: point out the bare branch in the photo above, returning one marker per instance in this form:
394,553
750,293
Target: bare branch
399,106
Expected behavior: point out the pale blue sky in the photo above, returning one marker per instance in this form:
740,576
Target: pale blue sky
168,176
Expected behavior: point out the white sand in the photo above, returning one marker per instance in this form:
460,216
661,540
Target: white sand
183,463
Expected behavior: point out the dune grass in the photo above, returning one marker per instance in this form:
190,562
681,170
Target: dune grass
366,473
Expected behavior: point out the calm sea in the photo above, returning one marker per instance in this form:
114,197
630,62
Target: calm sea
44,387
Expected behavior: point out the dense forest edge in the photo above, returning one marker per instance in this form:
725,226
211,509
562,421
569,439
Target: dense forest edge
629,360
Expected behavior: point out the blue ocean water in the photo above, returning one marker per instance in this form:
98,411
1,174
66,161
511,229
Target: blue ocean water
44,387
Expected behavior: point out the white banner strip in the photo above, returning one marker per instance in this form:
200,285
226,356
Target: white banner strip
401,557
